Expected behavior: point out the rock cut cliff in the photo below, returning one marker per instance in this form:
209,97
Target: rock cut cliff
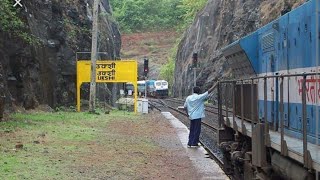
220,23
44,72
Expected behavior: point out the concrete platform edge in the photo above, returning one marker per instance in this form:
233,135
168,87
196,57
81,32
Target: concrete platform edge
204,165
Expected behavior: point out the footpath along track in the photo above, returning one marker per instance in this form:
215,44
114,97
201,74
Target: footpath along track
209,131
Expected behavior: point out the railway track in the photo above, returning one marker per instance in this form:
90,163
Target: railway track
163,104
208,108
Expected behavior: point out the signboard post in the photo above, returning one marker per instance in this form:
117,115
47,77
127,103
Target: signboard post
106,72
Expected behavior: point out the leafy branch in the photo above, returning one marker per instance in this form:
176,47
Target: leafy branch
11,23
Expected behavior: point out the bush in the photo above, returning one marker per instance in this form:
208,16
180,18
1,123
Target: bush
11,23
142,15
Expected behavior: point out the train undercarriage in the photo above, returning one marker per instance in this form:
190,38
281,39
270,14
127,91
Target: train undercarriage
257,149
250,145
247,158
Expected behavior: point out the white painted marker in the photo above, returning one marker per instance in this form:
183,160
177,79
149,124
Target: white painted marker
18,2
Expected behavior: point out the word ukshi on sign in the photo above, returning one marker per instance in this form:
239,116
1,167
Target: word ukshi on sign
106,72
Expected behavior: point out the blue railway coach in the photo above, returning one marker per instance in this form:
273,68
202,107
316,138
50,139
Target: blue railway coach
281,59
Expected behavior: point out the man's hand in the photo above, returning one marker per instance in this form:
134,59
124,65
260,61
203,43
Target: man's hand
212,88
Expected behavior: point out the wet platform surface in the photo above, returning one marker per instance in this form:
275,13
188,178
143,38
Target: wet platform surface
199,156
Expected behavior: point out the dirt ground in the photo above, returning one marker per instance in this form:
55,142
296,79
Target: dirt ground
161,160
154,45
123,147
166,160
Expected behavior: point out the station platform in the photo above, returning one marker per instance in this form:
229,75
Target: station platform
205,166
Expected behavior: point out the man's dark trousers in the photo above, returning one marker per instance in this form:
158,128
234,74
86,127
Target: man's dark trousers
195,129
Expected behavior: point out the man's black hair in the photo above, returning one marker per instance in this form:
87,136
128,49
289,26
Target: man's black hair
196,90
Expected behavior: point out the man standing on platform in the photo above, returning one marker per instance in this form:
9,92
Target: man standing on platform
194,106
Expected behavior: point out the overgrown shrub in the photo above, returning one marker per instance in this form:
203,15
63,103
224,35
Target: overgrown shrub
149,15
12,24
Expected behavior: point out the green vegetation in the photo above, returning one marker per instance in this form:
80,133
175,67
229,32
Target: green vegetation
190,9
11,23
156,15
150,15
54,144
74,30
167,71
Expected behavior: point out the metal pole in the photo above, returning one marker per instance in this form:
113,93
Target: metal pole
226,100
265,102
266,123
92,103
194,77
145,88
304,120
317,76
233,101
282,116
242,108
252,103
275,107
219,105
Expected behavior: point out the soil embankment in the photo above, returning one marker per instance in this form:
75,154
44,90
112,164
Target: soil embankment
156,46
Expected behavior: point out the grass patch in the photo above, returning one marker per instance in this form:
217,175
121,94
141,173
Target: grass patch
52,143
22,166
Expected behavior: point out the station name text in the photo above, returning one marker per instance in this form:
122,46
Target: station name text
106,72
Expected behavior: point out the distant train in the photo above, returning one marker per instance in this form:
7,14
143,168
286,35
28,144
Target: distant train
141,88
273,130
129,89
155,88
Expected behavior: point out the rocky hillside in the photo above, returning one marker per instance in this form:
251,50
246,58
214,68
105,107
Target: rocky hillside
217,25
43,70
156,46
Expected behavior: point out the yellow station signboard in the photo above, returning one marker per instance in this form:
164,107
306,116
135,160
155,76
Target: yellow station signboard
106,72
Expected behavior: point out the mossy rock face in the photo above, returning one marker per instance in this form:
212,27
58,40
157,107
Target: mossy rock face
44,72
1,107
2,90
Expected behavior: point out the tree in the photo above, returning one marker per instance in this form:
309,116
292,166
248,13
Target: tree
144,15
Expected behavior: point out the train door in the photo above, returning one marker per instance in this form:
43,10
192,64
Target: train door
307,36
304,61
294,58
269,57
273,87
317,62
283,66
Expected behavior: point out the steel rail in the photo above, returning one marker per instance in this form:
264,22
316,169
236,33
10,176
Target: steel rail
185,114
212,155
207,106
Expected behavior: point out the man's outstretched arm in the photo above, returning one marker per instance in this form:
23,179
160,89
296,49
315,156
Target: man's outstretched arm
212,88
